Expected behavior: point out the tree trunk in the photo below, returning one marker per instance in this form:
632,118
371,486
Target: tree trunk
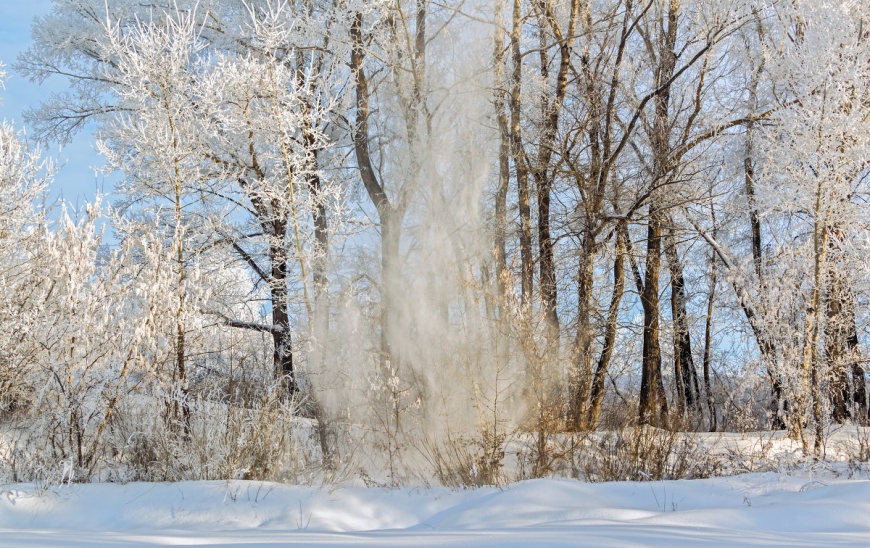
504,158
390,217
581,374
518,154
653,407
281,334
749,182
320,322
811,382
319,264
779,404
859,394
686,376
836,352
551,108
597,392
547,265
848,386
708,342
653,403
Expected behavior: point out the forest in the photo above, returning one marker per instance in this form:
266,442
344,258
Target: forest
457,242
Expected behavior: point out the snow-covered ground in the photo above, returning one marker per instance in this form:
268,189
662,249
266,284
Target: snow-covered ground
762,509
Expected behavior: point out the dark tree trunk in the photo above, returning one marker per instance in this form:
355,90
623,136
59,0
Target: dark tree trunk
547,263
835,350
686,376
859,394
754,218
653,403
551,108
274,224
281,334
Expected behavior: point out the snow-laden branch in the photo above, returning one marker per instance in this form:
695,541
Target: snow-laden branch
253,326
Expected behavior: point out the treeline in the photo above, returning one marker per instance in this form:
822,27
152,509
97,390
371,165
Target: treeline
423,226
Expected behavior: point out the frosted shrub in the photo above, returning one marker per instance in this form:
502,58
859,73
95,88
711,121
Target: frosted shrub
261,438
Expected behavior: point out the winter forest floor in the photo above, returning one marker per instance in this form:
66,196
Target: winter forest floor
794,503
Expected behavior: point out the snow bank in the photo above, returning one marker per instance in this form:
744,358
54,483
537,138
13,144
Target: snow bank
755,509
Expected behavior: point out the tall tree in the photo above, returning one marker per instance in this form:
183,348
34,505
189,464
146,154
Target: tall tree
395,33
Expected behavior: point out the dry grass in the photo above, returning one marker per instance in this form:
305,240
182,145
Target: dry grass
644,453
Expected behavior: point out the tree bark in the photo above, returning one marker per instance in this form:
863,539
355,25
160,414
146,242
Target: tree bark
387,214
686,376
708,339
653,408
519,158
550,111
281,335
504,158
581,376
597,391
811,381
653,403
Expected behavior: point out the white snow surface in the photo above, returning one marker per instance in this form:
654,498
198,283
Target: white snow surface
762,509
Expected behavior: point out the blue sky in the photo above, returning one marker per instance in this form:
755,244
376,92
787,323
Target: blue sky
76,180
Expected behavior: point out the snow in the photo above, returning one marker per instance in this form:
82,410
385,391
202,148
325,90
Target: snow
761,509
